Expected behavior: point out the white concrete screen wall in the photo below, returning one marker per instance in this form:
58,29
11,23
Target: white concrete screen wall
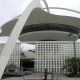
15,55
52,54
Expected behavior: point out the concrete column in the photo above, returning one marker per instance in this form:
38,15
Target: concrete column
5,55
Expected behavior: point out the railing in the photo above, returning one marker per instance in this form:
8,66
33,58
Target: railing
37,75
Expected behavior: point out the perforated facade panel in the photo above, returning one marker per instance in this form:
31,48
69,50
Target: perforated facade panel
52,55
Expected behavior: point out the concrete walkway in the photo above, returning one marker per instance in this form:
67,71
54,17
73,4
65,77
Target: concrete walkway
39,77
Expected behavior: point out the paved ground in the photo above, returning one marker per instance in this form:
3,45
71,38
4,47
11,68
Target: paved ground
39,77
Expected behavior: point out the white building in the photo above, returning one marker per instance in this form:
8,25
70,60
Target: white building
15,55
35,24
27,59
52,54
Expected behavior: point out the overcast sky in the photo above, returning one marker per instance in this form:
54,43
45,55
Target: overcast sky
12,8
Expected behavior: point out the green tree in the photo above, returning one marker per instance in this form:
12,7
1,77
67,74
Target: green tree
72,65
11,65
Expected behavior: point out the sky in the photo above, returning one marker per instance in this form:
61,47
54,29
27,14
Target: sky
12,8
24,46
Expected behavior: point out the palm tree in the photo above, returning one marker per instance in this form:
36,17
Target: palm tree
11,65
72,35
22,54
72,65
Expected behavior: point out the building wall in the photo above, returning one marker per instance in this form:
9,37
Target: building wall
52,55
29,54
15,55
